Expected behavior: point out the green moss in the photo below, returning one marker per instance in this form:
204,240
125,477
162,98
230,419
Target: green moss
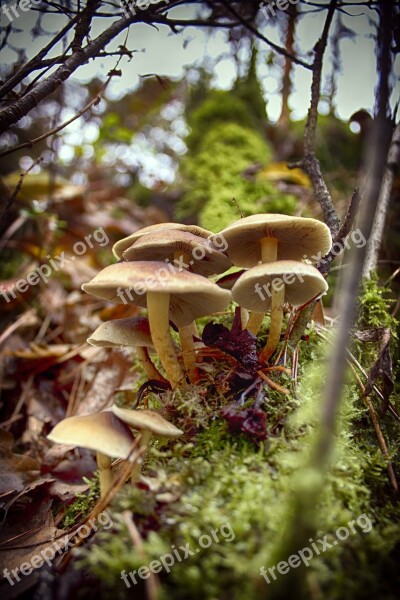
82,505
213,480
223,144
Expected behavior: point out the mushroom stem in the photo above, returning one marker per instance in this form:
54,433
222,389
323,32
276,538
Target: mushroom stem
244,317
188,352
269,249
186,333
148,366
137,468
269,253
277,300
158,309
194,329
254,322
105,473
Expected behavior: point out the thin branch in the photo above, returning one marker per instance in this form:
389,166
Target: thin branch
30,143
32,65
278,49
10,199
310,163
21,107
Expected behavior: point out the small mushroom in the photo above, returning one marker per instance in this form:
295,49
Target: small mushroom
268,286
149,423
102,432
271,237
120,246
131,332
168,294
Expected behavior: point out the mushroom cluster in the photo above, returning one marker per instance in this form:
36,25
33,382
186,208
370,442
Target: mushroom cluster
166,269
273,248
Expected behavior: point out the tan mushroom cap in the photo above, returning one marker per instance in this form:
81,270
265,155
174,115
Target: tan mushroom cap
147,420
120,246
298,238
203,257
302,283
102,432
133,332
191,295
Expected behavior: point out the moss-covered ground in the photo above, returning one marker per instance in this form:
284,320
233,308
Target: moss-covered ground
245,492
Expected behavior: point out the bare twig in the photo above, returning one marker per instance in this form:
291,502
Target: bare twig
254,31
8,203
310,163
21,107
378,431
30,143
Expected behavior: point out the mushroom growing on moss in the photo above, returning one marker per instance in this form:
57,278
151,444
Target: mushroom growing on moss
133,332
102,432
268,286
273,237
168,294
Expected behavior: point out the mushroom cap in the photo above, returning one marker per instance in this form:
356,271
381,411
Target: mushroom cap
298,238
133,332
146,420
226,282
102,432
203,257
120,246
302,283
191,295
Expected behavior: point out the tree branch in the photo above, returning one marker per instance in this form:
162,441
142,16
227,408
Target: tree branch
21,107
30,143
310,163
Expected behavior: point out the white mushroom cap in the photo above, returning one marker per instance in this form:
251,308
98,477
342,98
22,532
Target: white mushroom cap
302,283
203,257
102,432
120,246
133,332
298,238
147,420
191,296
